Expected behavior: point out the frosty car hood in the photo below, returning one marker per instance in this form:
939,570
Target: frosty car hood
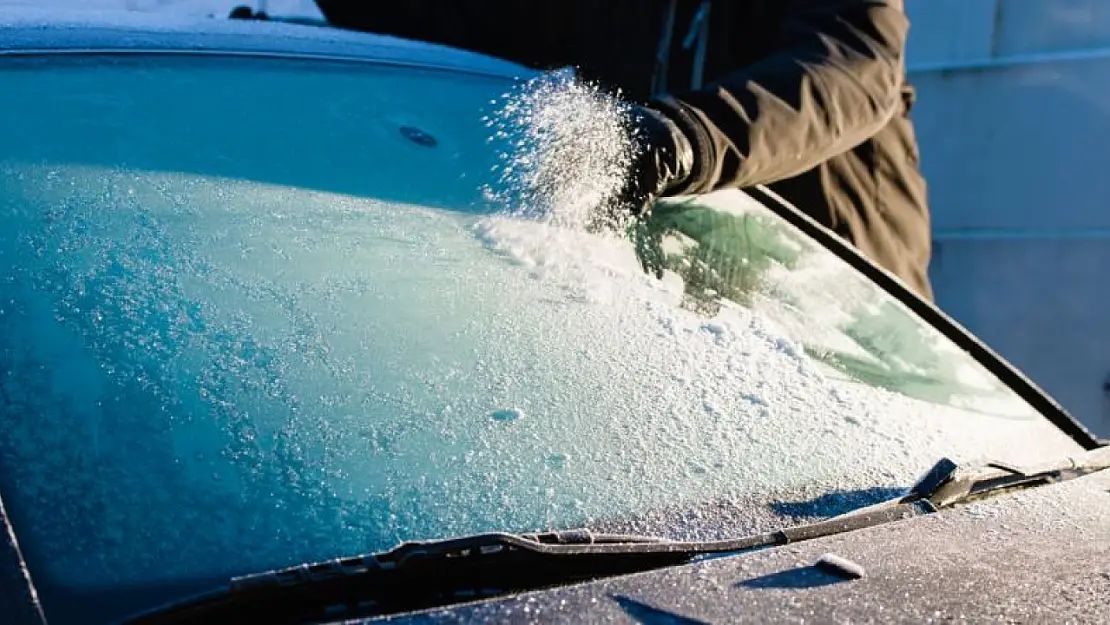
1038,556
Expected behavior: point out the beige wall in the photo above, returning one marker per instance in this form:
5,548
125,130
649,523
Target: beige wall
947,31
1014,124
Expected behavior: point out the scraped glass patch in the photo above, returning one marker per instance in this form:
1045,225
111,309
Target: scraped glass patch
510,414
418,136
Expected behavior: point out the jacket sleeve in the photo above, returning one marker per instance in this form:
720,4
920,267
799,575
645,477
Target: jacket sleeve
834,82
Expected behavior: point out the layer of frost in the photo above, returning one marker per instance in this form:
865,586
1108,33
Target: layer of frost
206,374
325,369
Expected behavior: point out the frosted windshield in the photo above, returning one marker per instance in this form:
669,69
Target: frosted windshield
254,312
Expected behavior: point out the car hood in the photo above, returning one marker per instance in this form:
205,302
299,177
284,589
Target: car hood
1035,556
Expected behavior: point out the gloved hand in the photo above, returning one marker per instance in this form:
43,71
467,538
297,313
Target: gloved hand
663,159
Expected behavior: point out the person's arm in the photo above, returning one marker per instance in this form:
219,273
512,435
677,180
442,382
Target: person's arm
835,82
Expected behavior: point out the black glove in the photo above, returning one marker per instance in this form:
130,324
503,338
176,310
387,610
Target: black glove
663,159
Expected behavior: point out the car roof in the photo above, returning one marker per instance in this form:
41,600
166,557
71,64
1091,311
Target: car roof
35,30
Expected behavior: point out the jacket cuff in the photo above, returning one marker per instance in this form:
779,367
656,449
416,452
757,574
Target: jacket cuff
695,132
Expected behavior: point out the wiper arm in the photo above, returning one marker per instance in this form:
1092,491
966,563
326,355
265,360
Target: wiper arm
420,575
426,574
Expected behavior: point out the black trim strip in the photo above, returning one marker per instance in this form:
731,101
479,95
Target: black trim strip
991,360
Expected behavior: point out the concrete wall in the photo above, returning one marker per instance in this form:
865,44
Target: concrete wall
953,31
1014,125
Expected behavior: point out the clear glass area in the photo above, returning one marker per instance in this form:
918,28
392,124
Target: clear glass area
255,312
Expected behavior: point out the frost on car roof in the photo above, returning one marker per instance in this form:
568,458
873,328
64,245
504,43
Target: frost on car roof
54,29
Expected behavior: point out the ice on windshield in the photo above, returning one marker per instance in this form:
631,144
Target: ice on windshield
727,247
237,336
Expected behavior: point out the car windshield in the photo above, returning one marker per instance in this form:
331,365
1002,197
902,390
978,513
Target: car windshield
258,311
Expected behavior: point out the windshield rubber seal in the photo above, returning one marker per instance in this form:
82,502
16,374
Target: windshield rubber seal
19,599
929,313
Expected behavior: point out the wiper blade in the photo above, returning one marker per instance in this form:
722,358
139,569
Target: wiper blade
948,484
420,575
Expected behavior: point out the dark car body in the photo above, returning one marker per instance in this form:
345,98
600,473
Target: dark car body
1037,551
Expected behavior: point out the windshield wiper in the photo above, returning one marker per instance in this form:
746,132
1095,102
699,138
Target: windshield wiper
420,575
948,484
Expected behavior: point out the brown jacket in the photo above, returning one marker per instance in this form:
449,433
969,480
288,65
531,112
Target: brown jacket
808,97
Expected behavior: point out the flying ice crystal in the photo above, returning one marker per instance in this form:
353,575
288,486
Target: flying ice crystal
565,148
